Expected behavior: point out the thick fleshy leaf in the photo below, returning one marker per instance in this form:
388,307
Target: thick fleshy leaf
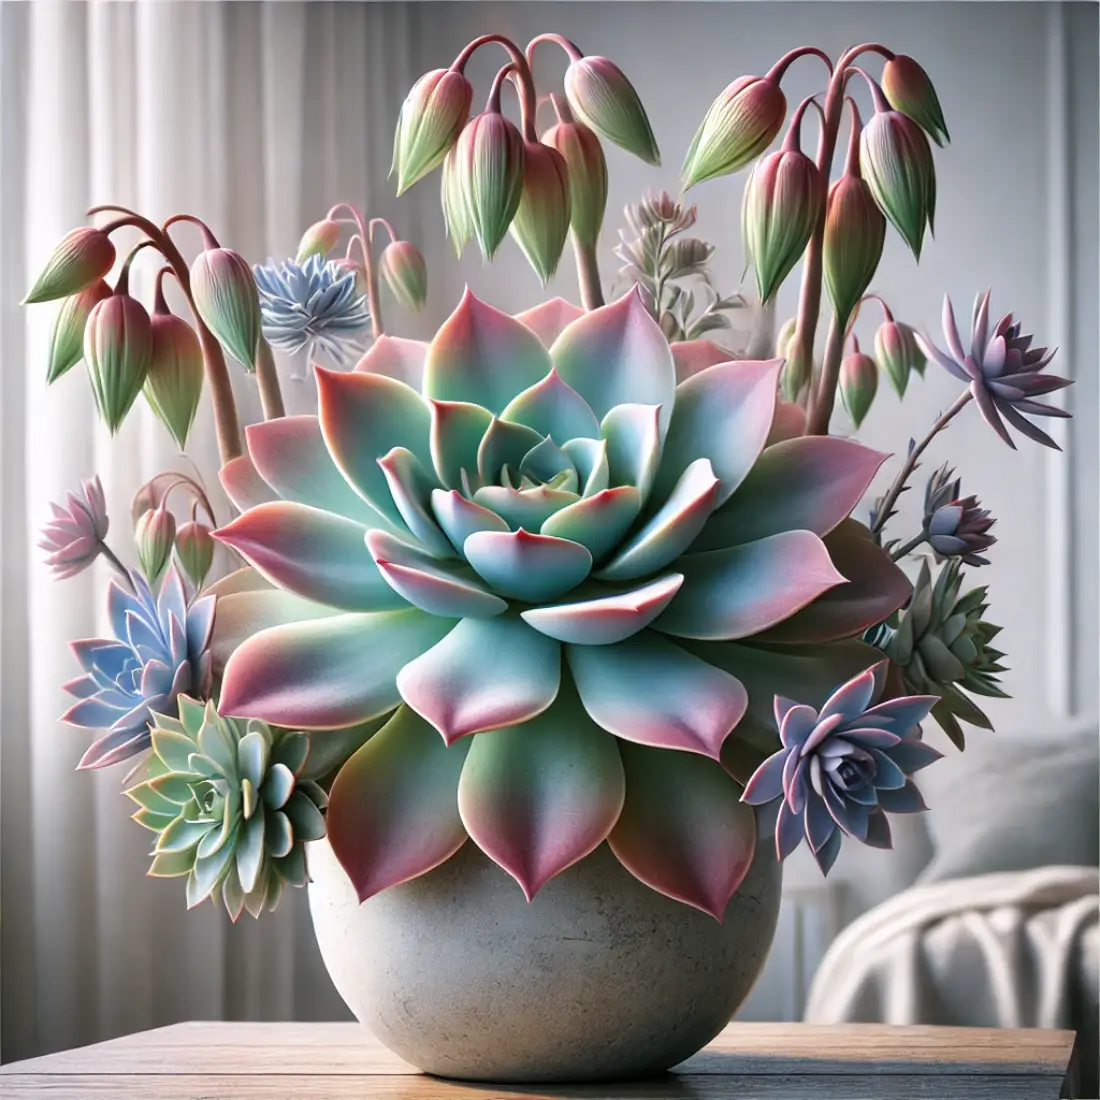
459,518
648,690
605,619
242,614
735,593
483,356
692,356
633,437
806,484
457,430
527,567
504,444
789,422
596,522
684,830
540,796
396,357
553,408
670,530
526,508
590,461
430,584
363,417
328,673
290,455
487,673
314,554
392,812
243,485
723,413
548,464
411,487
548,319
874,590
617,354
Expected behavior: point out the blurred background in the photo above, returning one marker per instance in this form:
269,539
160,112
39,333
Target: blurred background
258,117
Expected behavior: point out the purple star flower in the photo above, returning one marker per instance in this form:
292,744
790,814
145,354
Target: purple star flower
74,536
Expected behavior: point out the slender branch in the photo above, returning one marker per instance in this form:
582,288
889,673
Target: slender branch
821,404
588,271
895,491
571,49
528,96
385,225
115,564
779,69
374,298
267,377
908,548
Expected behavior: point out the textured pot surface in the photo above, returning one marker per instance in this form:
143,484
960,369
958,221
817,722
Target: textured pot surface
598,977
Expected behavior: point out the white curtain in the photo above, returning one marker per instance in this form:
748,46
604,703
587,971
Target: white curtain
256,117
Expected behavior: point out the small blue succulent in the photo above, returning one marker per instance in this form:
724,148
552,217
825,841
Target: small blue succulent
160,648
314,305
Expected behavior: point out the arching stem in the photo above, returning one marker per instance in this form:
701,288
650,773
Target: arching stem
267,379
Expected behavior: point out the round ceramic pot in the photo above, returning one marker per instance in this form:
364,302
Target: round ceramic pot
599,977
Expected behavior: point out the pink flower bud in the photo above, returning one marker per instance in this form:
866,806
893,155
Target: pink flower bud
228,302
858,383
118,343
345,263
909,90
83,257
489,169
67,334
586,171
405,273
541,223
897,353
854,234
154,536
432,116
603,98
318,240
195,550
173,383
738,126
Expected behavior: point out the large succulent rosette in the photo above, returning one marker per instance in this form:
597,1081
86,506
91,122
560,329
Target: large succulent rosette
565,588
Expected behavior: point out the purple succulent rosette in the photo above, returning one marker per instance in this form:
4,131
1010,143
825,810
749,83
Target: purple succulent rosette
160,648
1003,370
956,526
844,767
564,585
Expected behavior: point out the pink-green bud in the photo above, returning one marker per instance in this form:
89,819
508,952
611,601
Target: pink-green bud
318,240
228,302
909,90
154,536
405,273
455,221
603,99
738,126
344,263
432,116
67,334
195,550
783,337
173,383
897,353
896,162
854,234
797,371
586,171
489,169
858,383
83,257
118,343
541,223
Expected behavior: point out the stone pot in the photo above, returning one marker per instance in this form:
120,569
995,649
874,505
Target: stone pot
599,977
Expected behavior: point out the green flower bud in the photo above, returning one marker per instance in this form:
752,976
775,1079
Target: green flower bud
541,223
318,240
67,334
173,383
83,257
195,550
432,116
405,273
455,221
858,383
227,300
118,343
489,168
154,536
855,231
897,353
784,336
586,172
603,98
909,90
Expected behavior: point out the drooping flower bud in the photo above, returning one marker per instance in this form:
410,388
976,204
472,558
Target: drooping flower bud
797,371
318,240
586,171
909,90
345,263
780,207
858,384
173,384
195,550
783,337
67,334
226,297
405,273
603,99
431,118
455,221
83,257
896,161
118,343
738,126
897,353
154,536
541,223
489,169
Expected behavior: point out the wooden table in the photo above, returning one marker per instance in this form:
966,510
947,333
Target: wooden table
239,1061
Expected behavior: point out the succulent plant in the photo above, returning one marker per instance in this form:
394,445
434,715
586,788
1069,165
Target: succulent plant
562,578
160,648
954,526
230,805
73,538
943,646
844,767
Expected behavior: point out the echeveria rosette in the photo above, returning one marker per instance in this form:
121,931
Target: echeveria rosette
1004,372
560,578
160,648
844,767
955,526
